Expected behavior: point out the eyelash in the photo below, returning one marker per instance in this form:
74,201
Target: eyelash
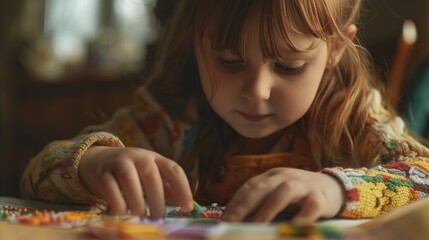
290,70
282,69
230,63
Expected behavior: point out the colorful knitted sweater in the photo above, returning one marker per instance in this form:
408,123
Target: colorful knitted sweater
396,176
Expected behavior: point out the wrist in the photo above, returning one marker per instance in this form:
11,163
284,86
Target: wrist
338,190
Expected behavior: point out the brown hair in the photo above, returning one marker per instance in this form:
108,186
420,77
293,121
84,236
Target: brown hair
343,91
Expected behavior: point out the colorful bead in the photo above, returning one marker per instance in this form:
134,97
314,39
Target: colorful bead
212,211
45,217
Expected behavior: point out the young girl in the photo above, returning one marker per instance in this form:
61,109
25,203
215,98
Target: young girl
261,105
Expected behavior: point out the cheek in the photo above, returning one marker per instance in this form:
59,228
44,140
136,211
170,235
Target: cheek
293,103
311,81
213,85
213,81
216,83
296,98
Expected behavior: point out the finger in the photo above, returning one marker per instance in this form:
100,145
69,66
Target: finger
153,187
110,192
250,196
168,191
311,209
174,175
286,194
129,182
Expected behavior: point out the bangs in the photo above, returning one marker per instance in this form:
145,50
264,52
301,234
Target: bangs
229,23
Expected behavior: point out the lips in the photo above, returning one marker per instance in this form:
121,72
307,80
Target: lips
255,117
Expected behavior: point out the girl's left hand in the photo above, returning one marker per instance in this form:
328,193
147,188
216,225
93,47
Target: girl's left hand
264,196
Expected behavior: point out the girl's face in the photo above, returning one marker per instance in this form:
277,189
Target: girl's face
257,96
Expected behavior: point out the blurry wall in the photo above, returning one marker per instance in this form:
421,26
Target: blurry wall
382,25
9,10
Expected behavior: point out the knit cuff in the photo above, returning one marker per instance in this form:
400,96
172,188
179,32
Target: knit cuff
351,193
73,187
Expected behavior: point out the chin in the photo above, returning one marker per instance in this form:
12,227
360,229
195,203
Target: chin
254,133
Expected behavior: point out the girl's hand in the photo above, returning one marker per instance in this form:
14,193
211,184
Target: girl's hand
261,198
123,177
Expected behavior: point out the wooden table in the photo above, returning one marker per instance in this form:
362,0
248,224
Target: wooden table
408,222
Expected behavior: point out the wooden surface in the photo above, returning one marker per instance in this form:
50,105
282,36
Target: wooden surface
11,231
408,222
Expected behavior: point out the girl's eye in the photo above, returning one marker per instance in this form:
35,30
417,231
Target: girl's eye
230,62
289,70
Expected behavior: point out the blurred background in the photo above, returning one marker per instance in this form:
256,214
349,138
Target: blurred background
65,64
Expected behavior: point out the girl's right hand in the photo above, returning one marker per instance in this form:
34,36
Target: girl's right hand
124,177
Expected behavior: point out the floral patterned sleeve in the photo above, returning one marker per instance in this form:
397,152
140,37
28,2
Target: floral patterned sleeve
53,174
398,176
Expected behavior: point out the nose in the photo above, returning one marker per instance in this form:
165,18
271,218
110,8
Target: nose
257,86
